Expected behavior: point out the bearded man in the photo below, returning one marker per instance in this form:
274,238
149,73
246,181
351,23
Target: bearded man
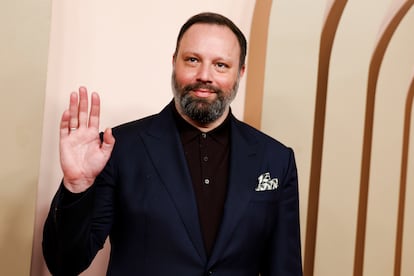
189,191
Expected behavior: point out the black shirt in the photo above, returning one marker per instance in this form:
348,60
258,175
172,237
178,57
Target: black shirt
207,156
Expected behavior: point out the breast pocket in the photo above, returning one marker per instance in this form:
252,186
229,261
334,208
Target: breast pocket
266,189
265,196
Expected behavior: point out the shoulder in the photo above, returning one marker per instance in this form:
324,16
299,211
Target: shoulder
255,135
152,123
132,127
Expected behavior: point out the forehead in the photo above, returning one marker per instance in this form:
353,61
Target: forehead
211,38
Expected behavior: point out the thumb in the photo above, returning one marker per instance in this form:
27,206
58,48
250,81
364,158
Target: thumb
108,141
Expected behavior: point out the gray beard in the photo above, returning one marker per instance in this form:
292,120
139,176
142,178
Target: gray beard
199,110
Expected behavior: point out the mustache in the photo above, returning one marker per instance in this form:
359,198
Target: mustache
196,86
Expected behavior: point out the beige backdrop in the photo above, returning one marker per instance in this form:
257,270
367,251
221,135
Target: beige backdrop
291,84
123,50
24,35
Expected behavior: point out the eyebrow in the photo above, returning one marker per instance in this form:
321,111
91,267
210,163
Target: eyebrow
215,58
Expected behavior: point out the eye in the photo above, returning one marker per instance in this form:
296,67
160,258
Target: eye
191,60
222,66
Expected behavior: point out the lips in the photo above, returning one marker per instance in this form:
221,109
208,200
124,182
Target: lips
203,93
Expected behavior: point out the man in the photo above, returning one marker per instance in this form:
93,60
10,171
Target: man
189,191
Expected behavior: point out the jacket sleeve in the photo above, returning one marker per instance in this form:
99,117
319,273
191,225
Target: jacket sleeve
77,226
283,256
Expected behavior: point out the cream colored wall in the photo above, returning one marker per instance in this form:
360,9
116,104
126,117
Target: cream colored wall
288,113
24,30
395,77
123,50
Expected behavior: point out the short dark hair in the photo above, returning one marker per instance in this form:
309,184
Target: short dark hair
217,19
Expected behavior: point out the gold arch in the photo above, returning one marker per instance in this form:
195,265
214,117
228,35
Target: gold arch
395,18
403,179
257,63
330,27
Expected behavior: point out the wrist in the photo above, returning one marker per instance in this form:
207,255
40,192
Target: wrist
77,186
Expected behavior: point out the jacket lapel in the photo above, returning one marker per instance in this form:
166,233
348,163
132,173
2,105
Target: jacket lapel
242,179
165,148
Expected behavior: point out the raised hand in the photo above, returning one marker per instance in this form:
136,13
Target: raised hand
82,154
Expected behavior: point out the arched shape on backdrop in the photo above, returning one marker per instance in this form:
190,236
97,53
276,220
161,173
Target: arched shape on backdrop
333,16
257,63
403,179
393,20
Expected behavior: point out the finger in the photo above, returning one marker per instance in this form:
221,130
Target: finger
83,107
64,124
95,111
73,111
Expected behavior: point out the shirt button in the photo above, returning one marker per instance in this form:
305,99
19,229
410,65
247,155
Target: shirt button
204,135
207,181
205,158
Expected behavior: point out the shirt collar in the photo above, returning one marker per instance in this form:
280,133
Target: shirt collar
188,132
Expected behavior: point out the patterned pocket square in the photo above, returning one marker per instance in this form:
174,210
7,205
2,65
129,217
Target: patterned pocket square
266,183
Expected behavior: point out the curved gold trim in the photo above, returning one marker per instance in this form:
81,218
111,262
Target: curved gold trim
403,179
395,17
257,63
333,16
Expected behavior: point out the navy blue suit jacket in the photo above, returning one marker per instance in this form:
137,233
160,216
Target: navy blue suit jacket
144,201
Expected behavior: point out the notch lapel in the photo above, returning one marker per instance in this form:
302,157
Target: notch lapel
165,148
242,180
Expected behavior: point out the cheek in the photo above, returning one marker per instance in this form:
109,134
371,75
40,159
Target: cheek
184,77
226,84
184,74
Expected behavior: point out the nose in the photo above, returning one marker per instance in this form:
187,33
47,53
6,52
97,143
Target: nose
204,74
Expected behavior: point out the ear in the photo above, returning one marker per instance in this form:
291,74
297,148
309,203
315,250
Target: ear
242,70
173,59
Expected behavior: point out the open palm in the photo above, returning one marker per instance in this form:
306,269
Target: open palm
82,153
